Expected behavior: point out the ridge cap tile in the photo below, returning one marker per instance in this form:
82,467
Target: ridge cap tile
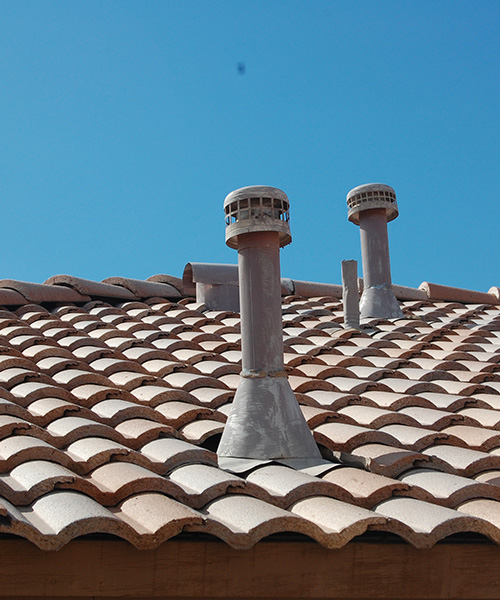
90,288
40,292
142,288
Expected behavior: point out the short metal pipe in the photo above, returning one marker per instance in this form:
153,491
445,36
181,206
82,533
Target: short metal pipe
350,294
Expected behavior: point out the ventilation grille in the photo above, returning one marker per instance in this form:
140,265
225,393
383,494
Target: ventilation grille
374,196
369,197
257,208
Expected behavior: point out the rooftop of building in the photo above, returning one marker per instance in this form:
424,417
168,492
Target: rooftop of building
114,394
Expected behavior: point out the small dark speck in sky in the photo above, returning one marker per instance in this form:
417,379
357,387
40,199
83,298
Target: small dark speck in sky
242,68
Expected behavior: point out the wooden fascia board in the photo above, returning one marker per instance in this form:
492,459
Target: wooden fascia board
272,569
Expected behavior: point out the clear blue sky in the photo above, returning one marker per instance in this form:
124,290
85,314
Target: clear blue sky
124,124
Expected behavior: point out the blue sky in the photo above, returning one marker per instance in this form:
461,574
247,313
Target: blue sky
124,124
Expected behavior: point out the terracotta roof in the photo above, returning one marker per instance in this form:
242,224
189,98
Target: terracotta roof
114,394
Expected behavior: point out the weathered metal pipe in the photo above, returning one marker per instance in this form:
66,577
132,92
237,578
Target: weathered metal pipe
265,422
260,304
350,294
371,206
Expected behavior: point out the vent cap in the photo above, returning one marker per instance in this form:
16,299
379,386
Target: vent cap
257,208
369,196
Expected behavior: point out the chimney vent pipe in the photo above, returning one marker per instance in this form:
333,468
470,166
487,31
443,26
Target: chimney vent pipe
371,206
265,422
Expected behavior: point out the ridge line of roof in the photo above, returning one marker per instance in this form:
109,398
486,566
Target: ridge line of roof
68,288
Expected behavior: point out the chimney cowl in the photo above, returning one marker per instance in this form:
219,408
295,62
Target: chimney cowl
257,208
369,196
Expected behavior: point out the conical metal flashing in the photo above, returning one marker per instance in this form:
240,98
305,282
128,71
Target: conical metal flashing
371,206
265,423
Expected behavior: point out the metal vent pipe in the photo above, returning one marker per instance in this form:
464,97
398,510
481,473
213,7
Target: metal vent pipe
371,206
265,422
350,294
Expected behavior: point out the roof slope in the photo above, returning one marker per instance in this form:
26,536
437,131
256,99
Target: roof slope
113,396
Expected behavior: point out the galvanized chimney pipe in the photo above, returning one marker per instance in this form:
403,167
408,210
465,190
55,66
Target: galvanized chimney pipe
371,206
265,422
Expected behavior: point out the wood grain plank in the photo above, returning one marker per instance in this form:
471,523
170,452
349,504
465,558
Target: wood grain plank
273,569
